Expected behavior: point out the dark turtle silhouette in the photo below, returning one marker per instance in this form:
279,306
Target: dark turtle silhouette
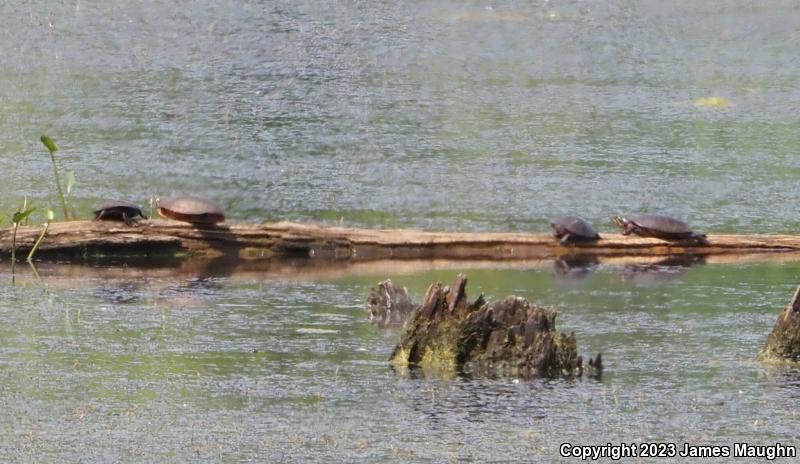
191,209
118,210
658,226
572,229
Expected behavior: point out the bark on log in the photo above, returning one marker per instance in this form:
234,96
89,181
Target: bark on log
509,337
389,304
783,343
75,240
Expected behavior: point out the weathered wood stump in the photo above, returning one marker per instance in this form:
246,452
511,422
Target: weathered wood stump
389,304
783,343
507,337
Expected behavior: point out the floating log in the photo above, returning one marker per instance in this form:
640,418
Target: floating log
783,343
447,333
78,239
389,304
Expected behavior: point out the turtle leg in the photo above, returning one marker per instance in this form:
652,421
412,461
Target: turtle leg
128,221
567,239
699,238
99,215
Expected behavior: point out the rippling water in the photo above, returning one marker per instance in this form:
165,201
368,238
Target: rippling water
168,369
436,115
459,115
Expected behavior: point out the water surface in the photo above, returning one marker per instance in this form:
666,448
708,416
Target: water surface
464,116
439,115
248,369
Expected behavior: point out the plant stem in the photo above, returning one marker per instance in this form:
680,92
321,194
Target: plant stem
35,271
58,186
13,251
38,241
14,244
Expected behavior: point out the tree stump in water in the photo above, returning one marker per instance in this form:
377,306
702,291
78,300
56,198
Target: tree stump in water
783,343
388,304
508,337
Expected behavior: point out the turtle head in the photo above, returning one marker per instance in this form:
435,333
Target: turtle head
620,221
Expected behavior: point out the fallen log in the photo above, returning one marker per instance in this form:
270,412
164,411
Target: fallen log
512,337
68,241
783,343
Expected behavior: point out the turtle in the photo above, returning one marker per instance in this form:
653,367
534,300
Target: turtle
191,209
658,226
118,210
572,229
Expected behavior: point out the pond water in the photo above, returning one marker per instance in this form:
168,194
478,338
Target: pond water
152,368
440,115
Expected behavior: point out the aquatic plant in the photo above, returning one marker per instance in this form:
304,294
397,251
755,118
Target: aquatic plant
70,184
712,101
51,148
24,207
19,216
49,218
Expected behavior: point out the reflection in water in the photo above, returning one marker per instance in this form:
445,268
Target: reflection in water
479,400
574,267
788,378
161,277
119,292
669,269
205,278
194,288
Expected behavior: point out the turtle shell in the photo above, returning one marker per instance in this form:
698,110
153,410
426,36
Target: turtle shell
191,209
117,210
662,224
575,226
658,226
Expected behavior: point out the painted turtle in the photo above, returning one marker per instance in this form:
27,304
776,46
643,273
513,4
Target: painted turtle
571,229
191,209
658,226
118,210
